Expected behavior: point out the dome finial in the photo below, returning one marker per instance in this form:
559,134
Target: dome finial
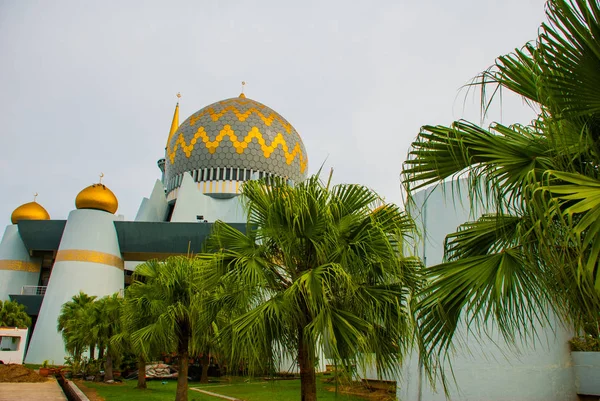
242,94
35,195
101,177
178,96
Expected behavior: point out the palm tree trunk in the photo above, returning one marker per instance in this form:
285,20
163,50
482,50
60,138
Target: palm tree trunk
101,351
108,367
205,362
184,356
92,351
308,379
141,365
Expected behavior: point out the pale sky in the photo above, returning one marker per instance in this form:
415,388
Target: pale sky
89,86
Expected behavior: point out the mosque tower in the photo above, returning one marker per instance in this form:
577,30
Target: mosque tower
17,268
88,260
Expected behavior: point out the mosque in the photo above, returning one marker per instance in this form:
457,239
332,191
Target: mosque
45,262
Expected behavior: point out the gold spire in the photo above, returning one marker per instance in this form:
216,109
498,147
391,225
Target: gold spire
175,122
242,94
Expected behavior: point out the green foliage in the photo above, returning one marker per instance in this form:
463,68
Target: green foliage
75,324
538,249
165,310
86,322
12,314
319,268
585,343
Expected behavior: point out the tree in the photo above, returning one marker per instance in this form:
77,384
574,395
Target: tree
171,293
106,316
135,316
12,314
539,247
318,266
76,334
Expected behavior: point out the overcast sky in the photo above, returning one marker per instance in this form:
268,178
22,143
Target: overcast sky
89,86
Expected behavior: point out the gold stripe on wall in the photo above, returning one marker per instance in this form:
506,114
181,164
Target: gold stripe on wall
20,265
82,255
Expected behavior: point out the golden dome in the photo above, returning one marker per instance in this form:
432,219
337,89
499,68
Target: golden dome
97,196
29,211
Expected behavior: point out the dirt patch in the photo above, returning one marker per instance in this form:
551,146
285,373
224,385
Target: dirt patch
13,373
363,392
90,393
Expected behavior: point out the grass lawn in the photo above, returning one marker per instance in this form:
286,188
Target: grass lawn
249,390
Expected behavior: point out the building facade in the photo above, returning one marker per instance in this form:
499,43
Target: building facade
45,262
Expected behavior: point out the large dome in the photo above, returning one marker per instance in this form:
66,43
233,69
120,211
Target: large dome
233,139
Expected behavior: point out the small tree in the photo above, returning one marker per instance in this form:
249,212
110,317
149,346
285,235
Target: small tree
72,325
170,292
135,316
318,266
12,314
107,316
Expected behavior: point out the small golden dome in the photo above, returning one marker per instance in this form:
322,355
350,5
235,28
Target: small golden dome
29,211
97,196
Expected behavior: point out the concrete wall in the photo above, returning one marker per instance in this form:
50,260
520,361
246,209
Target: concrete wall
486,368
88,260
17,268
191,202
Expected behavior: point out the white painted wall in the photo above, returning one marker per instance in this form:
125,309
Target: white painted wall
487,368
191,202
13,339
86,229
155,207
13,249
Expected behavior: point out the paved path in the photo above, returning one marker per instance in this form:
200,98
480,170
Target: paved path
47,391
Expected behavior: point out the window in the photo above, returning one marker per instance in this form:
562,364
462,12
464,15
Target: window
9,343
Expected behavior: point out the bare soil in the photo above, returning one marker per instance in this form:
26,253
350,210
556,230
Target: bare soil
13,373
362,391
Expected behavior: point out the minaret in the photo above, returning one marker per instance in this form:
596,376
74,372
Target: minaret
17,268
174,126
88,260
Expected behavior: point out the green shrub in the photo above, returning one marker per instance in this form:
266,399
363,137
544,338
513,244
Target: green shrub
585,343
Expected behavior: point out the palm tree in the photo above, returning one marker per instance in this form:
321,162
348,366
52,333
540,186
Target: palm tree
106,317
76,334
318,267
135,316
12,314
539,247
171,293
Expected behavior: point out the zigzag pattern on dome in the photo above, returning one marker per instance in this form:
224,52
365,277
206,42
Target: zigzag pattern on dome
242,116
239,146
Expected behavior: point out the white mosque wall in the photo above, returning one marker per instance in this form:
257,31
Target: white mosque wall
154,209
17,268
88,260
191,202
486,368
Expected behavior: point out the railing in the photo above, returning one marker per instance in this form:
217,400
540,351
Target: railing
33,290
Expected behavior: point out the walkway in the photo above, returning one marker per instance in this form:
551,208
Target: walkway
47,391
